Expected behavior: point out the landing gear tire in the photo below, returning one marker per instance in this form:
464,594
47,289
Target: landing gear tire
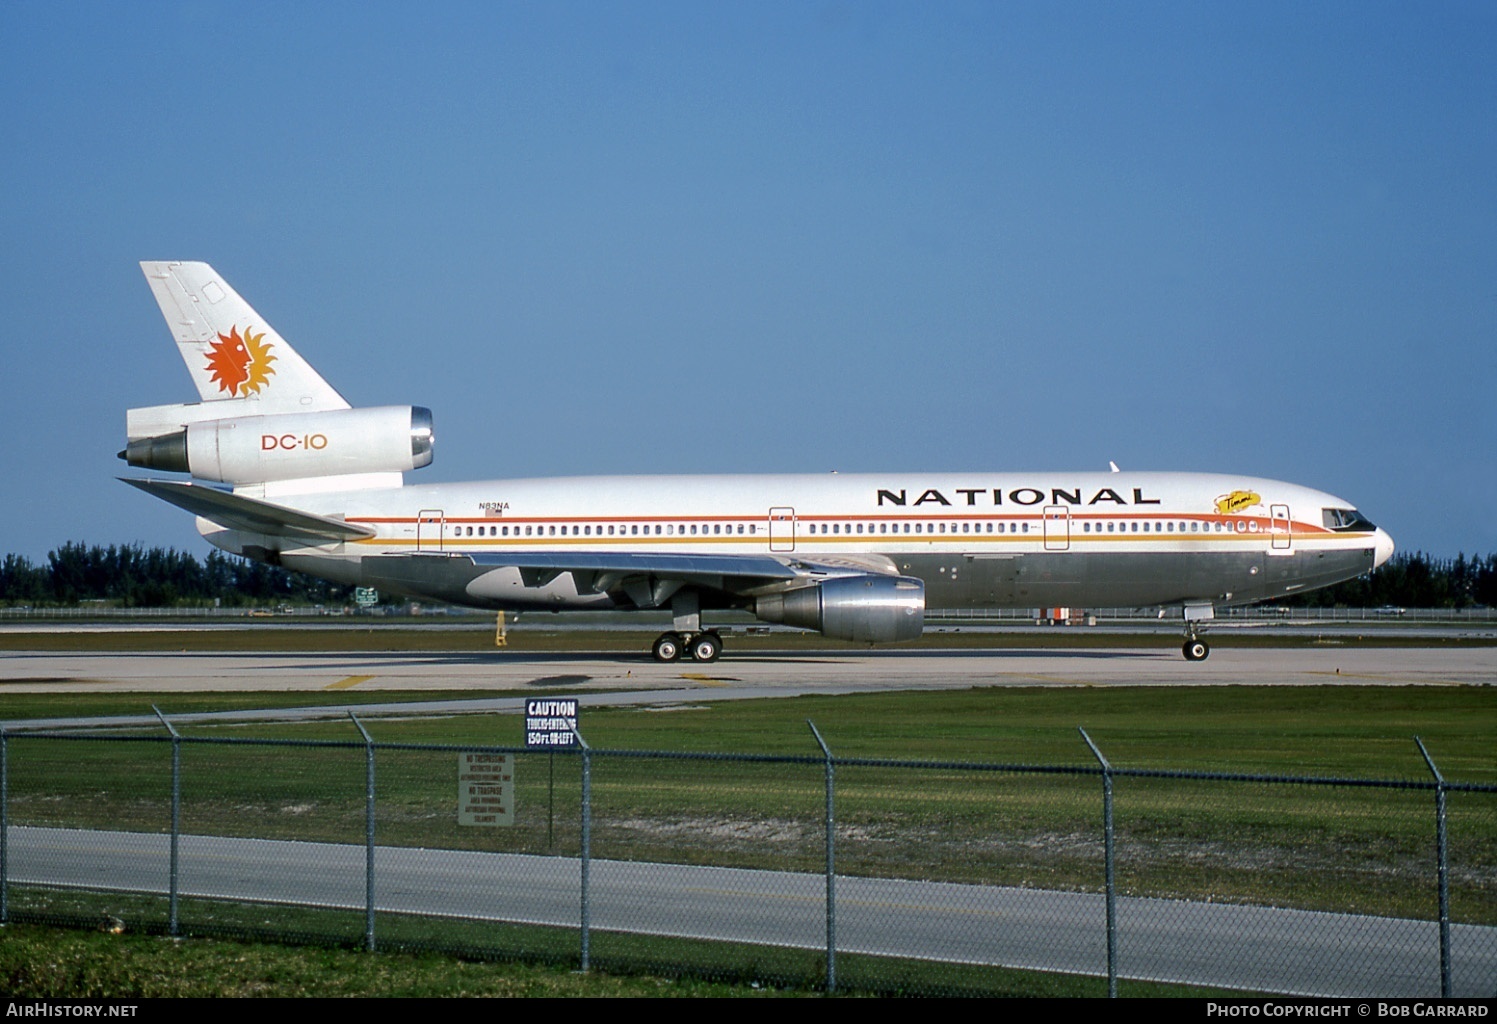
667,647
1196,650
705,647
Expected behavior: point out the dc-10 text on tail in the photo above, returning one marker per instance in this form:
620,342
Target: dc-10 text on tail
318,486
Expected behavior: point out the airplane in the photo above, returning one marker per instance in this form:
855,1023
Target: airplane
317,486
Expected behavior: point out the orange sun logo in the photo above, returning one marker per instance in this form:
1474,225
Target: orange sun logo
240,365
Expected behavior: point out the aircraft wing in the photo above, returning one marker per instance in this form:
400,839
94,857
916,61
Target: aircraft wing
649,578
237,512
599,570
659,564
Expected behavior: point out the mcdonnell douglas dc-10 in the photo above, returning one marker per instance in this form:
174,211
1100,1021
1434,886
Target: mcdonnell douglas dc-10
317,486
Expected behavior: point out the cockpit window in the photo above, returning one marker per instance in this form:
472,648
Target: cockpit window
1342,519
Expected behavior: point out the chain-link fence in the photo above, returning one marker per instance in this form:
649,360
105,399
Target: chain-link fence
813,871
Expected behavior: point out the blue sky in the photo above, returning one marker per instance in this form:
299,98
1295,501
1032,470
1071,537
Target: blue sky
652,237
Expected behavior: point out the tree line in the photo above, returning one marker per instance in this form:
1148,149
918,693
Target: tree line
1414,580
133,576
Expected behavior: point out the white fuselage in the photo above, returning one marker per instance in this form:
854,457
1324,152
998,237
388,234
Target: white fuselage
990,539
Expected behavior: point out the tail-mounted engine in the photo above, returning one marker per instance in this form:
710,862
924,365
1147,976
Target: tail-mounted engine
287,446
872,609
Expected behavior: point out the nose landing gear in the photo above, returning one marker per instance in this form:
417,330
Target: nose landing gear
1196,649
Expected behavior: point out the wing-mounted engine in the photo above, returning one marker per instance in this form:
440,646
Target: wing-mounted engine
871,609
200,440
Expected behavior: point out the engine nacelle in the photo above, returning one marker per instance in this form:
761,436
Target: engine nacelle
872,609
292,446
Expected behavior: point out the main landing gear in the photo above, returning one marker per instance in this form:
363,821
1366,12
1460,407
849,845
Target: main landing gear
688,637
698,647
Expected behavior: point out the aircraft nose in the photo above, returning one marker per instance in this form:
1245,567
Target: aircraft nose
1382,547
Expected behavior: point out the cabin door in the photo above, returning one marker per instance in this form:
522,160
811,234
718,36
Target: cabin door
429,529
782,529
1057,528
1278,525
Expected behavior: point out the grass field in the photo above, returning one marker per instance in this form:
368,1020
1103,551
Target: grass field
1341,847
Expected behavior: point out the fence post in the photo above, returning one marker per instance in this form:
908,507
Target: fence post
1442,860
368,833
4,827
176,814
1107,860
831,865
587,844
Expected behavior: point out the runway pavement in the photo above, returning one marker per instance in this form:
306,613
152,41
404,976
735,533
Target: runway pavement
802,672
501,680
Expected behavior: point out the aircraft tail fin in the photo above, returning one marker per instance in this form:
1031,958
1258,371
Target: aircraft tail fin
229,349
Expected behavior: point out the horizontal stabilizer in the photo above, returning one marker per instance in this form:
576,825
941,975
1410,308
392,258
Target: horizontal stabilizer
237,512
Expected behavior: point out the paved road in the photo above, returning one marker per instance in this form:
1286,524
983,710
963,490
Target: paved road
1249,948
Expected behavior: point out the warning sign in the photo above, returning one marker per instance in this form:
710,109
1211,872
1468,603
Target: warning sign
550,722
485,789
